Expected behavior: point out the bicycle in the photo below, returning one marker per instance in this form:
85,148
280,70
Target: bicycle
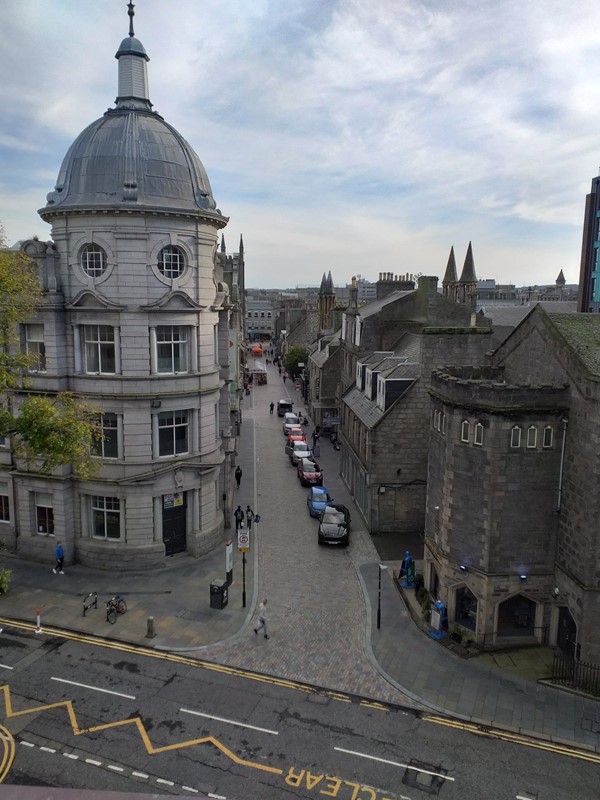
116,605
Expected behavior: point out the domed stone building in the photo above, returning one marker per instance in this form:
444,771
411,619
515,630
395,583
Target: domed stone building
136,320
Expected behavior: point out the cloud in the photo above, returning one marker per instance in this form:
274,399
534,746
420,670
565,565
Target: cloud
336,129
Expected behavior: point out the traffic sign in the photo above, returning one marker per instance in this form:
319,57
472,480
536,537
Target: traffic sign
243,541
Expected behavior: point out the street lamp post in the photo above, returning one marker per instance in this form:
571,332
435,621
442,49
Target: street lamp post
381,567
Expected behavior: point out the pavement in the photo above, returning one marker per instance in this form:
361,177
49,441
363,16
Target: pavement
322,607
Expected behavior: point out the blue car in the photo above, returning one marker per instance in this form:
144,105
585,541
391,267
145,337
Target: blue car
318,498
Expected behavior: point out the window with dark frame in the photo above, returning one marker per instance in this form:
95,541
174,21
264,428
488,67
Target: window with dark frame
44,513
107,445
105,517
464,430
93,260
515,436
99,349
171,261
35,347
173,433
548,438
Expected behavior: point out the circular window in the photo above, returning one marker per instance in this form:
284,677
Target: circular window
93,260
171,261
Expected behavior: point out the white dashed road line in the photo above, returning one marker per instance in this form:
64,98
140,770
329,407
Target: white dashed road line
93,688
229,722
115,768
5,666
394,763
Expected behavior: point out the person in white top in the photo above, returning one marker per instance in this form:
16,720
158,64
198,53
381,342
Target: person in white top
262,619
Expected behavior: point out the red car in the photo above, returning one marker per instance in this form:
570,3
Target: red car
309,473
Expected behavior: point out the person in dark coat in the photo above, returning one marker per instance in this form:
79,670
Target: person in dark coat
238,475
239,517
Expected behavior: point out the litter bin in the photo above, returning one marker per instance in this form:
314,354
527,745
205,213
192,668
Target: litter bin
218,594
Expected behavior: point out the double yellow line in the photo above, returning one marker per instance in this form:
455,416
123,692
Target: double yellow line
516,738
8,752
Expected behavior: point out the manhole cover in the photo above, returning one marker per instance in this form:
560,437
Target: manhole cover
426,777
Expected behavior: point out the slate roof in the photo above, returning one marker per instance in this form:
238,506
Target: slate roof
375,306
509,316
582,334
367,411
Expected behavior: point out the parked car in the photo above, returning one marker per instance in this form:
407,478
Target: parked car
291,441
284,407
309,472
297,430
334,525
300,450
318,498
288,421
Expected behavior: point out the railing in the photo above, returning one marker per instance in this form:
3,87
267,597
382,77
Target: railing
577,675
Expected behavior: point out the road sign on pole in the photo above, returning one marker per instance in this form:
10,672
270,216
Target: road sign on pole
243,541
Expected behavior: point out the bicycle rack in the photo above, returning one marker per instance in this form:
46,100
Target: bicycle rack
93,603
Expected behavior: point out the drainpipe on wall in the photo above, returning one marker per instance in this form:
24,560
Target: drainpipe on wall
565,422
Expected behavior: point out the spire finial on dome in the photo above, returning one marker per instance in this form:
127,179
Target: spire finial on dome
131,13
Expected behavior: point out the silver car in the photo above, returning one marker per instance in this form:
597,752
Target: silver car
288,422
300,450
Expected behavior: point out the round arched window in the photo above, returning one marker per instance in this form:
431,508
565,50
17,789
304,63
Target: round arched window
93,260
171,261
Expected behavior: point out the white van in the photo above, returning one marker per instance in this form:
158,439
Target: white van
289,422
284,407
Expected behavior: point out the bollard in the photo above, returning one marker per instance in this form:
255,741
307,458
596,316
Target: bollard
150,628
39,621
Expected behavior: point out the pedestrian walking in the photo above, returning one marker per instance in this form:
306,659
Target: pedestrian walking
271,407
239,518
262,619
249,518
238,475
59,552
284,377
315,437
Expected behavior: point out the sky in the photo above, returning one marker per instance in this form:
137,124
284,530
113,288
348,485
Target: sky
344,135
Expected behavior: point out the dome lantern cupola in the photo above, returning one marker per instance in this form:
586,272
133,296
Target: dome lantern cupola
133,74
131,158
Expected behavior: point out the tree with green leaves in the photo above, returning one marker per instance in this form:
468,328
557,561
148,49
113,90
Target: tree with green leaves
295,356
52,429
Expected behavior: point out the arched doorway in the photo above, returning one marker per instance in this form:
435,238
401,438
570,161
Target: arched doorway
516,617
465,611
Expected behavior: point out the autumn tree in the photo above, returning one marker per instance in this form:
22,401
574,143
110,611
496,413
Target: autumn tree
58,429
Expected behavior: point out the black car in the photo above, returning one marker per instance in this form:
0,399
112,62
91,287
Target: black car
334,525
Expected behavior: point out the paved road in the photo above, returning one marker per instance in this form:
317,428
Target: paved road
317,606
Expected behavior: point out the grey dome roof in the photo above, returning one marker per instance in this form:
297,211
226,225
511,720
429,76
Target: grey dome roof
131,158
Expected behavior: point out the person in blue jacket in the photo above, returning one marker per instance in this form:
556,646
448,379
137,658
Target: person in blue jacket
59,552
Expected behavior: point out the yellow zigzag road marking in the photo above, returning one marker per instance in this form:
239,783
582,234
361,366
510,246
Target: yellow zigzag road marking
9,752
517,738
137,722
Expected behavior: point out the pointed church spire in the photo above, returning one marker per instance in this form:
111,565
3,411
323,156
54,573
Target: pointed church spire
223,250
468,271
241,245
329,284
323,286
560,281
450,274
